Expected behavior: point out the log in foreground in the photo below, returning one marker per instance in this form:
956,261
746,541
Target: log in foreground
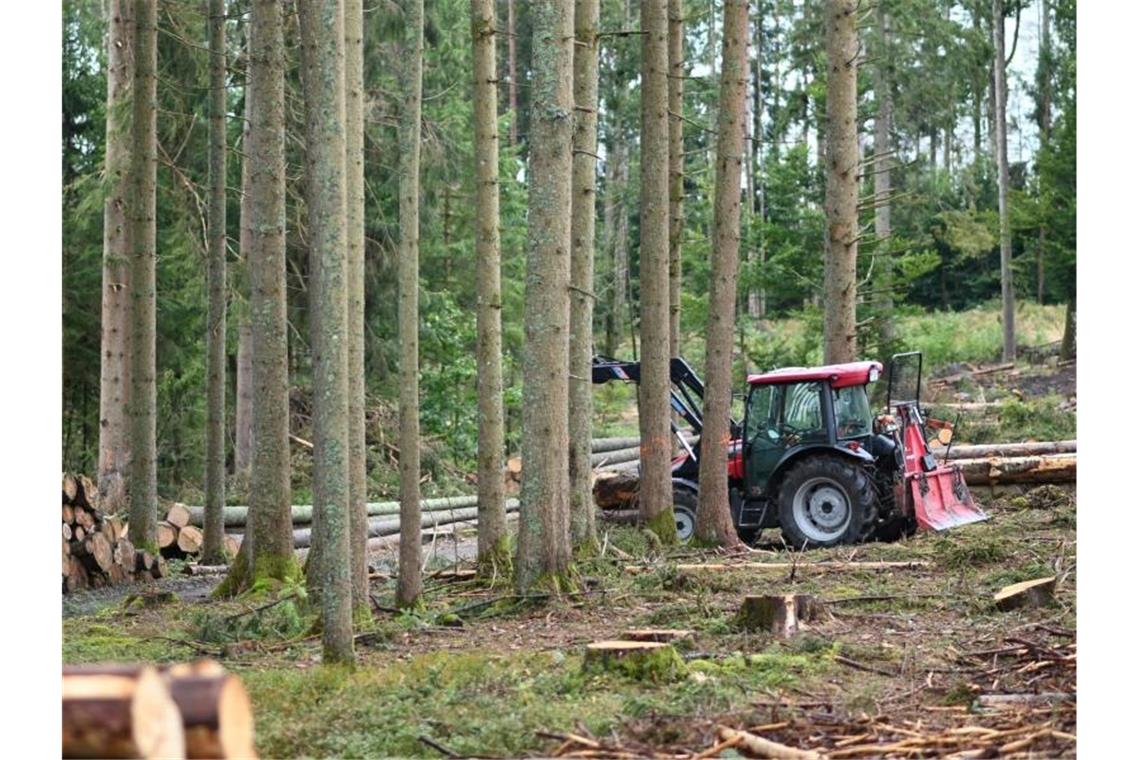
828,566
639,660
1048,468
112,714
981,450
217,719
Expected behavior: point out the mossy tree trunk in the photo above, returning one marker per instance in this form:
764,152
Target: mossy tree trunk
322,59
714,521
143,482
676,168
354,188
212,549
656,501
581,411
410,580
115,352
1009,341
544,531
492,542
267,549
841,196
884,117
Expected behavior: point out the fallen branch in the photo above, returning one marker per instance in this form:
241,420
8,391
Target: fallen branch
762,747
823,566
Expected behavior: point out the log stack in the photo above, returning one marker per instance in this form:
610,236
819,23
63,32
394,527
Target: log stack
96,550
179,538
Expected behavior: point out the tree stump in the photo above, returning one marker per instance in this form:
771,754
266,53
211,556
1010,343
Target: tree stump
639,660
781,614
1034,593
110,713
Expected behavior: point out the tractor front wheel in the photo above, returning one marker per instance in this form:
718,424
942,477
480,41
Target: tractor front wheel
826,501
685,513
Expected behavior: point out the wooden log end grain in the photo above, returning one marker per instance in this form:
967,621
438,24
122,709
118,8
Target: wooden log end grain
639,660
70,488
98,552
178,515
216,714
1033,593
114,714
190,540
167,534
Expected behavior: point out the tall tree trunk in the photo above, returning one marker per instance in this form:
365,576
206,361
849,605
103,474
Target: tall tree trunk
354,217
1009,344
410,580
143,482
544,525
1069,338
323,62
656,499
512,75
243,383
267,549
714,521
755,172
115,353
884,263
842,184
1045,123
585,145
493,551
676,168
617,235
212,549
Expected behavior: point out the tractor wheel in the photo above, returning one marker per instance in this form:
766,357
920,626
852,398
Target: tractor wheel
826,501
685,512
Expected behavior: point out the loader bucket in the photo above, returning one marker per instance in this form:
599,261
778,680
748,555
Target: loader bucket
942,500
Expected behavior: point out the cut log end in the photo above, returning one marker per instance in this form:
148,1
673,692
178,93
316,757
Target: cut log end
1033,593
120,715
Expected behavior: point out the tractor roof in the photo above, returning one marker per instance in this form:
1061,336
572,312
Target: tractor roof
839,375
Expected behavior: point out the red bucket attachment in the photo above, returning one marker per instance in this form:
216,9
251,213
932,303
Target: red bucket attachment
941,499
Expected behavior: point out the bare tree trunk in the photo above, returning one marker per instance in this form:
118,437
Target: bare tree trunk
842,184
544,554
410,580
1009,343
115,349
754,174
493,551
714,521
884,259
354,217
267,549
212,550
512,74
1045,123
243,404
676,168
656,501
617,235
323,60
143,482
1069,338
585,145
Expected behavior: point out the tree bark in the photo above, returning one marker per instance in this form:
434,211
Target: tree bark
512,74
714,521
653,391
842,159
1044,123
322,59
676,88
243,384
1069,337
410,581
213,552
756,296
616,221
354,189
582,232
1009,342
543,555
115,353
884,117
492,540
144,155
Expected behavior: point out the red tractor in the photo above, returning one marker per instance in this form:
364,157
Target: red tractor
811,459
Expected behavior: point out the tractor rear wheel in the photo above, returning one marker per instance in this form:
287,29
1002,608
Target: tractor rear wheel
685,513
826,501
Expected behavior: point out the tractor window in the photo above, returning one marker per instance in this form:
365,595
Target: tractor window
802,413
763,408
852,412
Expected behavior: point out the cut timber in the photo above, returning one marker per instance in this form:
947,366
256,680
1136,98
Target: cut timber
78,533
514,467
167,535
615,457
76,575
640,660
662,635
114,526
86,494
231,545
1034,593
613,444
1019,701
66,532
761,747
98,552
66,559
144,561
206,569
70,488
1049,468
178,515
125,554
84,519
616,490
190,540
68,514
216,716
780,615
112,715
1033,448
806,566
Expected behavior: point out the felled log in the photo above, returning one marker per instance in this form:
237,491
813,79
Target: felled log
640,660
981,371
66,558
144,561
231,545
983,450
779,614
616,490
190,540
68,514
761,747
86,494
1048,468
1021,701
804,566
615,457
84,518
302,514
1033,593
167,534
66,532
69,488
178,515
217,719
302,537
115,527
613,444
97,553
113,714
78,533
125,554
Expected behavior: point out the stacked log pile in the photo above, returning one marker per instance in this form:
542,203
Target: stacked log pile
96,550
193,710
179,537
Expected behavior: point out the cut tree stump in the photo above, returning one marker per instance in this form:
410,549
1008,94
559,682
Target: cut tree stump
616,490
639,660
662,635
190,540
178,515
779,614
119,714
1034,593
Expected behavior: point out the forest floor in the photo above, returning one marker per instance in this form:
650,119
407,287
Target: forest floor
898,667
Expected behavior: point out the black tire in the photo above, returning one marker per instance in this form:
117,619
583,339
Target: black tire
825,501
685,512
